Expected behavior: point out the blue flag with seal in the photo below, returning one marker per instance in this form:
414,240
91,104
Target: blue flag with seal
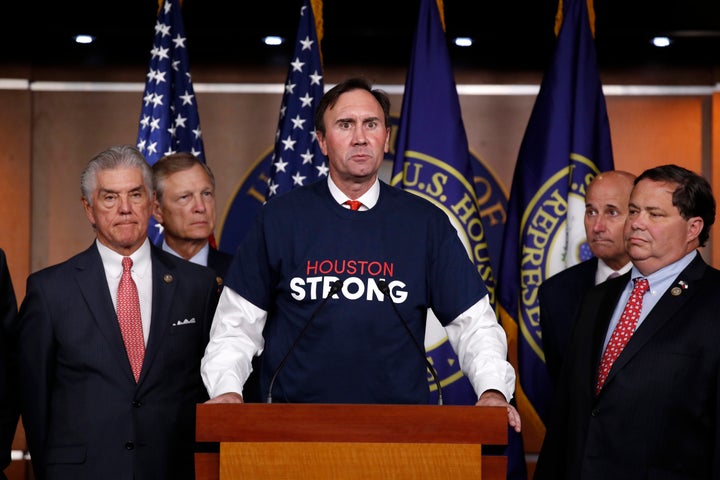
296,158
432,160
566,143
169,120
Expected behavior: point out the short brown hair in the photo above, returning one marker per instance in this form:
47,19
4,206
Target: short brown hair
173,163
331,97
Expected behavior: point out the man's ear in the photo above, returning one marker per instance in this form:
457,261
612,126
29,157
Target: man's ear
695,226
321,141
88,211
157,210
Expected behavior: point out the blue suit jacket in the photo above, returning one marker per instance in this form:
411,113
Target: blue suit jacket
85,417
559,299
219,262
658,414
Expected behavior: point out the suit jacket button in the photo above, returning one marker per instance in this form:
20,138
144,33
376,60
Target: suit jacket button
129,445
595,412
136,404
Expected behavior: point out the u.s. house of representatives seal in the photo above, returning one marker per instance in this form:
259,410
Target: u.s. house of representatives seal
553,237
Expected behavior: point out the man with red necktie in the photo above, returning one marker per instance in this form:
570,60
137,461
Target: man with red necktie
110,342
638,397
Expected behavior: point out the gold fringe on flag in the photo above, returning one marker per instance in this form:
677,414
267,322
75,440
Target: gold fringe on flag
559,17
317,6
441,9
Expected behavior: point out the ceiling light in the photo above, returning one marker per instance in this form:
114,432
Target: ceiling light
661,42
273,40
84,39
463,41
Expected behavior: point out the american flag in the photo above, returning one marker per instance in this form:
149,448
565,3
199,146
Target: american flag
297,159
169,120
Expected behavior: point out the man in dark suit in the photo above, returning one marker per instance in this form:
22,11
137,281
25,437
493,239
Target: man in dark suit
185,206
650,408
606,207
9,412
97,401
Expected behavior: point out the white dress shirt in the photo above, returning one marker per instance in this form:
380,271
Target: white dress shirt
141,273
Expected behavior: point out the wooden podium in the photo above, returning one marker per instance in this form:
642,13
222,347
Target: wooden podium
332,441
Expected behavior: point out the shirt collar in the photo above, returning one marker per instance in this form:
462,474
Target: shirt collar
603,270
112,261
368,199
201,257
668,273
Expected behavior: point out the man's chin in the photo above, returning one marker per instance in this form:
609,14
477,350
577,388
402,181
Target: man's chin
602,250
198,236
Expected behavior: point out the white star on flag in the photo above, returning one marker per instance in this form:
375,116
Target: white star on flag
296,125
169,120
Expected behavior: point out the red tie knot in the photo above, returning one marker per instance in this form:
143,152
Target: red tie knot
641,285
127,263
354,204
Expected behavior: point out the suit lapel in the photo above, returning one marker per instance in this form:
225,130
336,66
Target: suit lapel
665,309
163,289
605,308
92,283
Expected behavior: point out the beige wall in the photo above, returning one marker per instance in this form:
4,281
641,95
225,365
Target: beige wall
49,134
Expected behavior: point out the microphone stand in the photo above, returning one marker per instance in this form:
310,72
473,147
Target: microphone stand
385,289
334,288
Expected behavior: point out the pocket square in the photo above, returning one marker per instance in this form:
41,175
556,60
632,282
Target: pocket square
180,323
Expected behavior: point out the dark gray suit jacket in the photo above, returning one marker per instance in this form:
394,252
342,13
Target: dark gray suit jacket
559,298
85,417
658,415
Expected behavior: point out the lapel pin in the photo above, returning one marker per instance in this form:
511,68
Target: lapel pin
219,280
675,291
683,284
167,278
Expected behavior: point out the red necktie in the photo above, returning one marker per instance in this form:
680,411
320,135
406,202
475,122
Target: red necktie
128,312
354,204
623,330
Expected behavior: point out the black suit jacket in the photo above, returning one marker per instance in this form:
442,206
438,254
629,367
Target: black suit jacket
559,298
219,262
9,412
85,417
658,415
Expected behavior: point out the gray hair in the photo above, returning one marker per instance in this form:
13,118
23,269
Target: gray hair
121,156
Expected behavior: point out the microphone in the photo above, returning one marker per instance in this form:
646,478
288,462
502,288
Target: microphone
334,288
385,289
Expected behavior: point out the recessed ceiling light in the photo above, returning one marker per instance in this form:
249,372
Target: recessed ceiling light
84,39
273,40
463,41
661,42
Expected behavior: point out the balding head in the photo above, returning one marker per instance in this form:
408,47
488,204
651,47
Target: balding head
606,208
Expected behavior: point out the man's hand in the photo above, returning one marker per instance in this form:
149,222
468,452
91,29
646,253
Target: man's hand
230,397
493,398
